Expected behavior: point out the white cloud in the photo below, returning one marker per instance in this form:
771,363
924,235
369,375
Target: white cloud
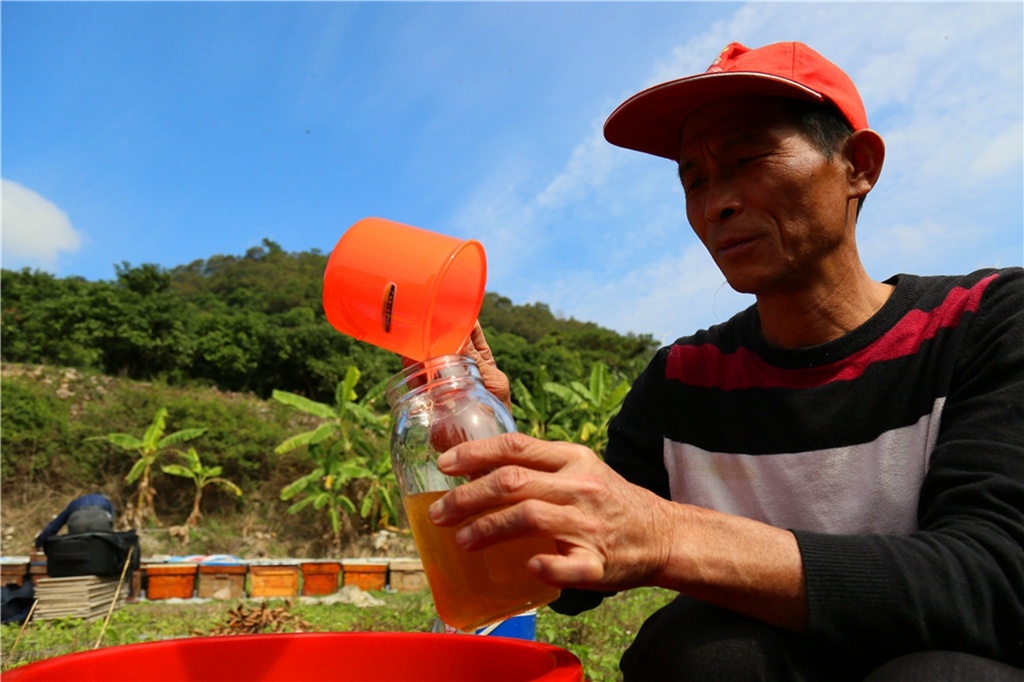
587,167
35,230
1000,154
505,225
923,248
604,236
674,295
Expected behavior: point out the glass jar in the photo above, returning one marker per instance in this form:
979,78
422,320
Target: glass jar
435,405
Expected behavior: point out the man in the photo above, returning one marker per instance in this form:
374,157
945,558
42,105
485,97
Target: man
88,513
831,480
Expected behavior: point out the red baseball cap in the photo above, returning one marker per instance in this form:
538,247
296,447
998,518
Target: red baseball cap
650,121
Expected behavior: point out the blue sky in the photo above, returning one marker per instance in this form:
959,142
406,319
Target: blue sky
164,133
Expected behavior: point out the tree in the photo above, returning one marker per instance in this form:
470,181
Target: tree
340,449
146,326
148,448
255,322
202,476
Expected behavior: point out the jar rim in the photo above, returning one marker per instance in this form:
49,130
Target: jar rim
429,371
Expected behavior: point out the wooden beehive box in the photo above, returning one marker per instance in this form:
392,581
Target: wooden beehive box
13,571
37,567
407,575
170,581
222,581
273,580
366,574
320,577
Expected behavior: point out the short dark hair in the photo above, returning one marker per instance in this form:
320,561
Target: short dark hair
825,126
823,123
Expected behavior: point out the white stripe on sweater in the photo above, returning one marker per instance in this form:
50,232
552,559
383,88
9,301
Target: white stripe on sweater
866,488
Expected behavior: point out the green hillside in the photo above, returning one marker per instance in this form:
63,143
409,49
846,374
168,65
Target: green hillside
210,341
254,323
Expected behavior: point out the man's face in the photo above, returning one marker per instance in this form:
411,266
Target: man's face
768,205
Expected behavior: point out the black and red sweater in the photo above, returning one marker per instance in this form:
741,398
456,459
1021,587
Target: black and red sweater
895,454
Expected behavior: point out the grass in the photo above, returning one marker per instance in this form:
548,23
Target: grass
597,637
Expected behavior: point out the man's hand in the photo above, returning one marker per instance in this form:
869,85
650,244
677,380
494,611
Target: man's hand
494,379
613,535
607,530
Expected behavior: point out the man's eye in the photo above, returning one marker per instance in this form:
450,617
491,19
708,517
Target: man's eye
744,160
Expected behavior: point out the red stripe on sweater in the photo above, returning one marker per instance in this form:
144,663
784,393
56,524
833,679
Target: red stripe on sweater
705,366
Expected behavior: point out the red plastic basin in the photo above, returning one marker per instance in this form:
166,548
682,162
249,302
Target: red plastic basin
305,657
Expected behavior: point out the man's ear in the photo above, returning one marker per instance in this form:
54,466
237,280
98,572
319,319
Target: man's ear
865,151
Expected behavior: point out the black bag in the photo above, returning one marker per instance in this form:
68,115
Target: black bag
16,602
97,553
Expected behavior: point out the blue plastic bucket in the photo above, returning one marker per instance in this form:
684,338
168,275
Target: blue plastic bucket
523,626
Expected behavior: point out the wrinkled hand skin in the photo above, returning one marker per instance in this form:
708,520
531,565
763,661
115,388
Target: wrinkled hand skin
494,379
605,528
613,535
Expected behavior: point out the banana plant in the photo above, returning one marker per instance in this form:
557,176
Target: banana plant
536,413
202,476
380,497
592,405
341,449
148,449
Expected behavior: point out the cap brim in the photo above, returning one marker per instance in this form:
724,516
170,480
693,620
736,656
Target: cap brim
650,120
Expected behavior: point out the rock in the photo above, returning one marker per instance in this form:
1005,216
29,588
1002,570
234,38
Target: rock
349,594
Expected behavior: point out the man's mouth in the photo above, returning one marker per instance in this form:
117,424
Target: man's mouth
732,245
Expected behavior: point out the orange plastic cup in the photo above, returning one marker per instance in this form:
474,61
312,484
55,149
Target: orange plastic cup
405,289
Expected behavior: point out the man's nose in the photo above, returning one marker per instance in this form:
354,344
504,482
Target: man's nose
722,200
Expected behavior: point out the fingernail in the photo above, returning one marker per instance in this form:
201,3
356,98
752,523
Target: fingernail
464,536
436,511
446,459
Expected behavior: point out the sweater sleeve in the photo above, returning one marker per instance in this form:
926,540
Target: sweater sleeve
53,527
957,583
90,500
